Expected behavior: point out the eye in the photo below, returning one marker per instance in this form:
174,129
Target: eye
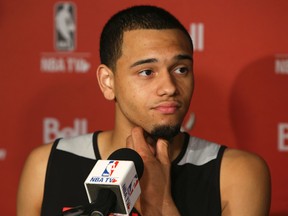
146,73
181,70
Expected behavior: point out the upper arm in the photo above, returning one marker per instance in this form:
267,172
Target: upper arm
245,184
31,186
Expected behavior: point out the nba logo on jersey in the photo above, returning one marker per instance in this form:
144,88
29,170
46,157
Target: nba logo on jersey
65,26
108,171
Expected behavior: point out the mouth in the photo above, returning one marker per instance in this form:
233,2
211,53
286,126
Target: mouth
167,107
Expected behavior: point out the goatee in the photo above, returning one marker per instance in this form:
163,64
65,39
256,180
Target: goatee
165,132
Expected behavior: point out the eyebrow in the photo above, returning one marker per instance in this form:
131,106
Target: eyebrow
152,60
183,57
143,61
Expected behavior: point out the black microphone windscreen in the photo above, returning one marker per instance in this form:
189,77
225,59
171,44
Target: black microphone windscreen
128,154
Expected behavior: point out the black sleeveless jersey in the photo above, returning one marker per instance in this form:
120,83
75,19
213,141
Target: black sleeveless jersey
195,175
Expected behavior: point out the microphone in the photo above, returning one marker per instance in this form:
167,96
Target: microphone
113,185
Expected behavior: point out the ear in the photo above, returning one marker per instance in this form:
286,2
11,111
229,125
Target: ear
106,81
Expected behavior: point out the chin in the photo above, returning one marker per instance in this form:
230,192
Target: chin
166,132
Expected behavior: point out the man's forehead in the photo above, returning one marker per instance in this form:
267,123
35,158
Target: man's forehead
139,37
142,30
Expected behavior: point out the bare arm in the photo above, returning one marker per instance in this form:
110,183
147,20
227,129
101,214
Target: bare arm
31,186
245,184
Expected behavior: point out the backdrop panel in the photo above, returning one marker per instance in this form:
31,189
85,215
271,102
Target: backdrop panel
48,87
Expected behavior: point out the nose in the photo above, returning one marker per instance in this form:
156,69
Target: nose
166,84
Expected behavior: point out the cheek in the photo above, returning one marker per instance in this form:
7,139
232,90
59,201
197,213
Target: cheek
130,97
186,90
134,90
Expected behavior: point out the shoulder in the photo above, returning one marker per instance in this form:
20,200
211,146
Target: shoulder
40,153
244,163
244,179
38,158
31,185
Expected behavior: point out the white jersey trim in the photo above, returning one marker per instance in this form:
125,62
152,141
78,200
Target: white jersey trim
81,146
199,152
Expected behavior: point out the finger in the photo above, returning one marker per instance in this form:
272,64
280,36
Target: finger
140,144
162,151
129,142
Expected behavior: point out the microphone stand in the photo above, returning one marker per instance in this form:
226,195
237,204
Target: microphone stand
102,206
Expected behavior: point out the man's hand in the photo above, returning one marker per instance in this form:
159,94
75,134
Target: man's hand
156,196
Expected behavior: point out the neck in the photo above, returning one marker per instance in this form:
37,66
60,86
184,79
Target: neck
110,141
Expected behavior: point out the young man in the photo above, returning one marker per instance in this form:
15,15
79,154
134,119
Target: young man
147,69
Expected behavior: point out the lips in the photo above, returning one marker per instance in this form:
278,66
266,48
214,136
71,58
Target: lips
167,107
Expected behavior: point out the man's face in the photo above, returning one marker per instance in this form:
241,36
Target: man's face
153,81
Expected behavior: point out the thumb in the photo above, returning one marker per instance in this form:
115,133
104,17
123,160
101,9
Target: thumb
129,142
162,151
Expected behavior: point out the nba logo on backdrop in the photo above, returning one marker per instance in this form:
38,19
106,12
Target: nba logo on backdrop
65,26
64,39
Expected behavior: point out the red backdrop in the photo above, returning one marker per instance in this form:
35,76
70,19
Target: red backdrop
48,86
